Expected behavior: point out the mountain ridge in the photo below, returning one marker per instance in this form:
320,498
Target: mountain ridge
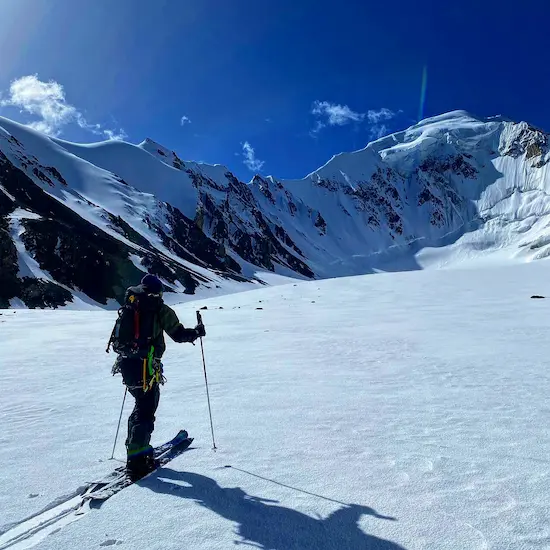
464,186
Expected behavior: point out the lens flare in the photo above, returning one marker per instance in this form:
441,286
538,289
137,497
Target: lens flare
423,92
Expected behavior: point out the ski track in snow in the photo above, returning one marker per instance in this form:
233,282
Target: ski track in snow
398,411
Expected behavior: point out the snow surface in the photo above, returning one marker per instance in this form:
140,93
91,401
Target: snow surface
399,411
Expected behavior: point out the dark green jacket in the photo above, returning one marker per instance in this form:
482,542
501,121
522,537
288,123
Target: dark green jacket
163,319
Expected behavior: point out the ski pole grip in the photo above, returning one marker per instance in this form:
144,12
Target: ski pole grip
199,318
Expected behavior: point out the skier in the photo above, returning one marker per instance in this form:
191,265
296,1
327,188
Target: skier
138,340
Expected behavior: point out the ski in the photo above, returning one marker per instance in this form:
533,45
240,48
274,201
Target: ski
119,479
63,511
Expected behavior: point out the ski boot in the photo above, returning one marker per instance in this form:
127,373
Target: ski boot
141,465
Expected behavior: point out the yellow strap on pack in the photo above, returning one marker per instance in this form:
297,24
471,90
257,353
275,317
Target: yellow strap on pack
145,374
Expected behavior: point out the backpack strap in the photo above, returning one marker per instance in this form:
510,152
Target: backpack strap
135,303
136,325
145,386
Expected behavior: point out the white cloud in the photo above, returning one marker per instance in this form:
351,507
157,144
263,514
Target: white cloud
185,120
250,160
47,101
335,114
118,135
378,130
44,99
377,118
317,128
382,114
43,127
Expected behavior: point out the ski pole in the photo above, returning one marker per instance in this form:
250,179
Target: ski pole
199,321
119,419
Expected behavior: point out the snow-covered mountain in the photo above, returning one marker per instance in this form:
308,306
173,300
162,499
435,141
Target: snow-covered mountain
81,222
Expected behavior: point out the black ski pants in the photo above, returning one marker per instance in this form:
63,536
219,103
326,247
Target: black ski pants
141,422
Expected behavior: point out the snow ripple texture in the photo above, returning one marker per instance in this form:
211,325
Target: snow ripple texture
398,411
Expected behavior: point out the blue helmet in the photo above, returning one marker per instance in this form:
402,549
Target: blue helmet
152,284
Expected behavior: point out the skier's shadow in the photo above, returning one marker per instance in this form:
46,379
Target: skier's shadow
265,525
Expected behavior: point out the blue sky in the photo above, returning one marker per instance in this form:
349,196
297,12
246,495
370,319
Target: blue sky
271,86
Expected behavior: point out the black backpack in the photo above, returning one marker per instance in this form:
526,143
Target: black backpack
133,330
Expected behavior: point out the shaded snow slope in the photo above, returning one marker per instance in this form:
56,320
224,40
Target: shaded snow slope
450,190
420,397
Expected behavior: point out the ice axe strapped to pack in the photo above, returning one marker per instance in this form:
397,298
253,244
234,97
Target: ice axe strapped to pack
152,371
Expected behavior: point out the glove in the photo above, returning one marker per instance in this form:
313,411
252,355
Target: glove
201,331
182,334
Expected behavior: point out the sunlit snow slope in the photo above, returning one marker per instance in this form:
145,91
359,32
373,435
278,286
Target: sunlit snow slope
451,190
339,405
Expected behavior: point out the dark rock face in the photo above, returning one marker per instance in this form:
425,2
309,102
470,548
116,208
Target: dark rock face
526,140
321,224
239,224
80,255
37,293
190,243
76,253
33,292
458,165
9,283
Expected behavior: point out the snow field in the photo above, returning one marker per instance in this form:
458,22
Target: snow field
416,396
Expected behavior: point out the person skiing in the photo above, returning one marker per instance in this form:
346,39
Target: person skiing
138,339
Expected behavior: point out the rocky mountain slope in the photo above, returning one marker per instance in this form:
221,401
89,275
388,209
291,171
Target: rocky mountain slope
78,223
